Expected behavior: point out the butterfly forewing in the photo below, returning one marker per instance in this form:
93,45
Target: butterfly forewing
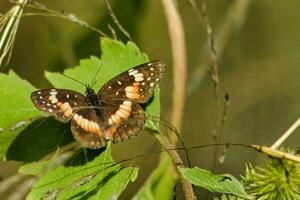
59,103
136,84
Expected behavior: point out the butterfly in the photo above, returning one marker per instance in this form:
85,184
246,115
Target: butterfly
114,113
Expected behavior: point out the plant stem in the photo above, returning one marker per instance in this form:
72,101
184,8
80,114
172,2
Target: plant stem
286,134
170,148
177,37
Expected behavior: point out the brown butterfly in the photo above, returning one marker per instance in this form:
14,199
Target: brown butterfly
113,114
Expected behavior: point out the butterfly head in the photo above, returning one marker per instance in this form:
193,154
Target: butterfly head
89,90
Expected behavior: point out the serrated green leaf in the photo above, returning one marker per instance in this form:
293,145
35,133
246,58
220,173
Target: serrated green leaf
109,183
99,179
15,107
159,185
215,183
44,135
15,100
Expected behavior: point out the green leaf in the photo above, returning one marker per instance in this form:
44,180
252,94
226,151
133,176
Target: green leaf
38,139
15,108
34,168
66,182
215,183
159,185
100,179
96,179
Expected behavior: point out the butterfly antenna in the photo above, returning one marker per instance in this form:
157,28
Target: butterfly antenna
96,75
74,79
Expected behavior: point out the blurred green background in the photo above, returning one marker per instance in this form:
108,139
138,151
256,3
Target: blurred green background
259,69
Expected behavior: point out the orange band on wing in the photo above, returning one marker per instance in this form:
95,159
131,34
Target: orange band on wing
87,125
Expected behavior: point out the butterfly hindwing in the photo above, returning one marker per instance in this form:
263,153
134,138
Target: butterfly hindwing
121,119
135,84
87,129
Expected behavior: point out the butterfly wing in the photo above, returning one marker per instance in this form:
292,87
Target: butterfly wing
135,84
121,119
66,105
122,115
86,129
58,102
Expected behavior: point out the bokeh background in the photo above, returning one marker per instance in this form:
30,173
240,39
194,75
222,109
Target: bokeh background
259,67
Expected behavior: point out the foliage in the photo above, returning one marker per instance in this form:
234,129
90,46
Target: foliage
44,135
226,183
29,139
274,179
16,108
101,178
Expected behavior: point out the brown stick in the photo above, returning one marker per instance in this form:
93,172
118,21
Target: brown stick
177,37
170,148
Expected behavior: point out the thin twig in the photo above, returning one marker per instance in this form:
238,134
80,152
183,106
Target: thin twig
116,21
64,15
286,134
177,37
214,73
113,32
223,116
232,23
186,185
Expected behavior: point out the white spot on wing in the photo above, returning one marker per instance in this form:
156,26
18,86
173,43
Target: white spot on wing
53,92
132,73
54,101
